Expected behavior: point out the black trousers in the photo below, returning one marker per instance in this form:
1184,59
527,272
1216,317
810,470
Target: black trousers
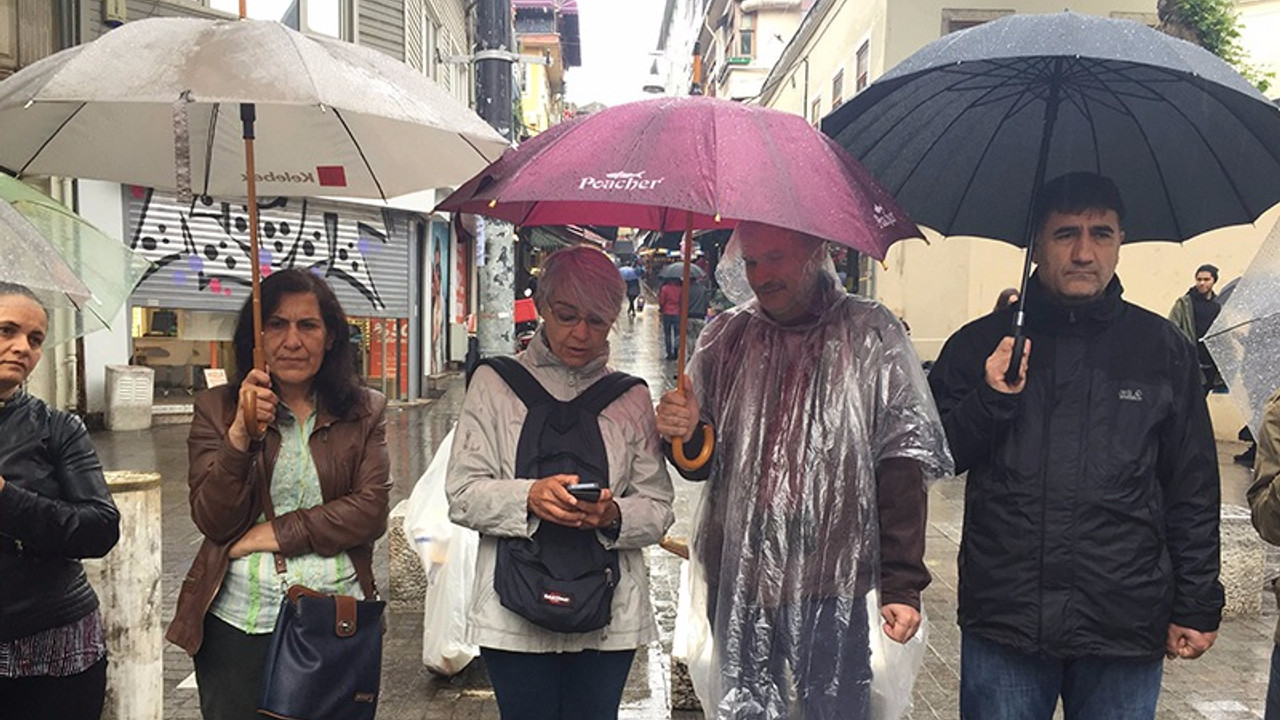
229,671
74,697
583,685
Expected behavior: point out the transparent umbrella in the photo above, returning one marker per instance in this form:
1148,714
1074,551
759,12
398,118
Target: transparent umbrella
83,266
1245,339
32,262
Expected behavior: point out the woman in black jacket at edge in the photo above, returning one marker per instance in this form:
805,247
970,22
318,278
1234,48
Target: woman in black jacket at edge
54,510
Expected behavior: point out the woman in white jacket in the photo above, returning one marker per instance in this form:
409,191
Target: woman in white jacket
539,673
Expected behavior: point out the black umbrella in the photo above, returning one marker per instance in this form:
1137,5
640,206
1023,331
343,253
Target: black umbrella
965,131
675,271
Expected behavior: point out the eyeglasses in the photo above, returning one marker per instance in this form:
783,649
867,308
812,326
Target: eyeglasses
569,317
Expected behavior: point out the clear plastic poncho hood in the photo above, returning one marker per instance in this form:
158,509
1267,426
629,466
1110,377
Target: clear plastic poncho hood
786,540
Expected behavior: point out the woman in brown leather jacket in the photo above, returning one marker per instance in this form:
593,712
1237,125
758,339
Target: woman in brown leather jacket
323,467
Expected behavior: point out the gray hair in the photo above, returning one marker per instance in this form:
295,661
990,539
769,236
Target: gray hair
583,276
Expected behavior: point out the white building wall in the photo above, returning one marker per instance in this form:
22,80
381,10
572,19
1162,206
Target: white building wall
102,204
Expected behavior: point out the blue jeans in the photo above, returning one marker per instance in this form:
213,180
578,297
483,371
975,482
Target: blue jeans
999,683
1273,687
671,335
558,686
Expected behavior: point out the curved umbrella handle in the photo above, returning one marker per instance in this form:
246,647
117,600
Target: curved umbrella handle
694,464
249,411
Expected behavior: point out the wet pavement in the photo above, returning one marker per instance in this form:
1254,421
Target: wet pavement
1227,684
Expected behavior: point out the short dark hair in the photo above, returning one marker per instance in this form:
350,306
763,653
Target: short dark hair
336,383
1076,192
1211,269
8,288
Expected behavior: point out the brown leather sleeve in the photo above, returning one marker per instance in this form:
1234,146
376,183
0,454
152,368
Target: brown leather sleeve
219,488
904,509
356,517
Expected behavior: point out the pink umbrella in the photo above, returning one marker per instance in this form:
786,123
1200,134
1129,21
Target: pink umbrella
688,163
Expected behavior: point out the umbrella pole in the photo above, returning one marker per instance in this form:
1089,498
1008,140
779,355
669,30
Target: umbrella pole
708,440
248,114
1011,374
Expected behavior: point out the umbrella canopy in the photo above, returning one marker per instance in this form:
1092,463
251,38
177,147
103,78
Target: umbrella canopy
675,271
963,131
628,273
153,98
672,163
31,261
686,163
1245,339
104,266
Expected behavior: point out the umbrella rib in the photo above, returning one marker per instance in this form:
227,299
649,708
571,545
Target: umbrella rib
338,113
1241,324
1123,108
960,75
1015,107
208,145
1160,170
50,139
1178,76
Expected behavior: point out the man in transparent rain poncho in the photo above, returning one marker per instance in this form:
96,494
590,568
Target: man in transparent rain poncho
825,435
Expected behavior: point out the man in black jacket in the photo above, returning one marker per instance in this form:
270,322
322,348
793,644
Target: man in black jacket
1090,545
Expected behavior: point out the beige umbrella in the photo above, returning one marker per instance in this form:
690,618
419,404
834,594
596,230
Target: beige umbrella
176,103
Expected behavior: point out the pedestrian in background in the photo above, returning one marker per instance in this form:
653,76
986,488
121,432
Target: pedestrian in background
539,673
669,306
1090,544
825,436
1193,313
1007,297
55,509
321,468
1264,502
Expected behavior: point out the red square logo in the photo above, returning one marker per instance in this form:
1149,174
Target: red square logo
331,175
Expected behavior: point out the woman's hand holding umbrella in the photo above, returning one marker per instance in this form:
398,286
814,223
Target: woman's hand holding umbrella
258,403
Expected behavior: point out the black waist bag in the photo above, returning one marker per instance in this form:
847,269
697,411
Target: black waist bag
562,578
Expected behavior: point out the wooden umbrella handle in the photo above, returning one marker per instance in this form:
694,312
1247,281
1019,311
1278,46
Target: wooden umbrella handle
693,464
249,400
708,437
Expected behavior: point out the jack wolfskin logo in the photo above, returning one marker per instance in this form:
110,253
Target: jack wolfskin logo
551,597
620,180
1131,395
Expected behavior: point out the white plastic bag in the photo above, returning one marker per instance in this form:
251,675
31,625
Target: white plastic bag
894,665
448,554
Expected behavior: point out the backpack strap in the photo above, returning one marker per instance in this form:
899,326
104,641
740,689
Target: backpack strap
604,392
520,380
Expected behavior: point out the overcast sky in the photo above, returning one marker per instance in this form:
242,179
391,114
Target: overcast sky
617,37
